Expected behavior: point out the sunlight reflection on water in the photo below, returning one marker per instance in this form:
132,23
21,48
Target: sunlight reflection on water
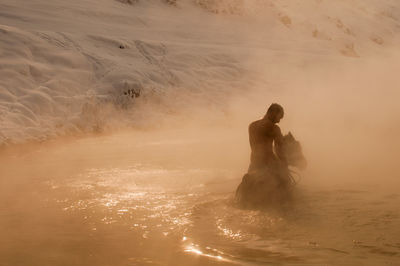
146,199
210,252
156,205
154,202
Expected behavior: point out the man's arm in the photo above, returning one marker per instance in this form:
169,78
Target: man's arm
252,131
278,143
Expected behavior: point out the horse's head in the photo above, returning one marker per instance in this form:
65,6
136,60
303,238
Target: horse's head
293,152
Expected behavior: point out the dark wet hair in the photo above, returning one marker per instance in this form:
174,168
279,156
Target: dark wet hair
274,109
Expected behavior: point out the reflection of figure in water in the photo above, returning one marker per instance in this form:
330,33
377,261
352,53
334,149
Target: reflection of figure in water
268,179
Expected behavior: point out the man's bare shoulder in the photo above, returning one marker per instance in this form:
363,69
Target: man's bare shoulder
255,124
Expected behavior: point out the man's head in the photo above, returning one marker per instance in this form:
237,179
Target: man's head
275,113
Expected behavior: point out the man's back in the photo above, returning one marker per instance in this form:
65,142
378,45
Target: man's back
261,135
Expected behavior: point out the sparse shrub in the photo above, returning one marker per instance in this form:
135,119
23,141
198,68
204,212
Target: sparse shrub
171,2
130,2
222,6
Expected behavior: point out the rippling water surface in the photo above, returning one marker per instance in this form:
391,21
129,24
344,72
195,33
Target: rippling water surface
155,203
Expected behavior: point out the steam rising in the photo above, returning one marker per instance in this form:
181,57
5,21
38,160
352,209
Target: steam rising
331,65
123,130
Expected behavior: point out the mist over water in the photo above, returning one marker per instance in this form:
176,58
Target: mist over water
163,195
151,180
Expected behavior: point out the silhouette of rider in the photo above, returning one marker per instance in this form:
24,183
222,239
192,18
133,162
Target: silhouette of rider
265,137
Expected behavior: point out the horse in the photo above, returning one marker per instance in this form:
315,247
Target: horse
274,183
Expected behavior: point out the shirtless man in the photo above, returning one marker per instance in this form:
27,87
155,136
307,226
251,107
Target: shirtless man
263,134
268,171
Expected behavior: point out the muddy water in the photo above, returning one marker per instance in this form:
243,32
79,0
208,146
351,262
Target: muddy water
131,199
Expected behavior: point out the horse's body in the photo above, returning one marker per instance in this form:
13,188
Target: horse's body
272,183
